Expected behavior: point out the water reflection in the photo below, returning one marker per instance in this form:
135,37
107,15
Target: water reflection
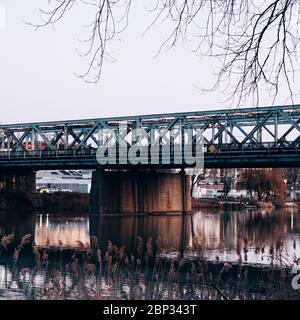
258,237
255,233
248,236
65,232
174,231
16,223
222,235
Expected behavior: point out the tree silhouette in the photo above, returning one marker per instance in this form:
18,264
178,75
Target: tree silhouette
268,184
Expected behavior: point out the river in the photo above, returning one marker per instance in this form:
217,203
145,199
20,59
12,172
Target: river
203,255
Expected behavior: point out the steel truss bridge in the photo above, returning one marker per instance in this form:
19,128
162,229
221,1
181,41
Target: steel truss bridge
248,137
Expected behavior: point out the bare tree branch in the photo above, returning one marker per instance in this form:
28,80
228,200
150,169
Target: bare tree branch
254,41
110,19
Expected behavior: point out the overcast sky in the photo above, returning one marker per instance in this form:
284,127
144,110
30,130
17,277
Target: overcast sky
38,81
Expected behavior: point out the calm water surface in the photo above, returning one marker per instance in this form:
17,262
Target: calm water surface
264,239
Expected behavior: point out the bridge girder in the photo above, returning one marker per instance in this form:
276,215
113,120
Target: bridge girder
237,133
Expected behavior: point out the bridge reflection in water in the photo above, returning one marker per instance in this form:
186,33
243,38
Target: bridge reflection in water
225,236
248,235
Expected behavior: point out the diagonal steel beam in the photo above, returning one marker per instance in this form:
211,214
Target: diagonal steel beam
11,134
74,135
167,129
269,131
57,137
282,138
224,128
95,140
244,132
118,136
77,140
258,126
88,134
293,123
18,144
42,135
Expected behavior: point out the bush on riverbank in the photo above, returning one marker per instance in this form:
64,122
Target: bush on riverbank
52,202
12,201
267,184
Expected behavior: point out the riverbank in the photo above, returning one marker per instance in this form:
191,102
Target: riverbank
50,202
80,202
209,203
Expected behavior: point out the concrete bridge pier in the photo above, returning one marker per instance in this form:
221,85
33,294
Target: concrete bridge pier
18,182
137,191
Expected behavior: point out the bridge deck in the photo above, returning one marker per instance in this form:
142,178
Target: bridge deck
86,159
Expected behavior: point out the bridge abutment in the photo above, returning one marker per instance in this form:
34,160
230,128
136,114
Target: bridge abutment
18,182
140,192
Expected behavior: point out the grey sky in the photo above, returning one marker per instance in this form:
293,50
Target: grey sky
37,71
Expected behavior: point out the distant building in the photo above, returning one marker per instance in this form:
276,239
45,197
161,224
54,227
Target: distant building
64,180
207,191
213,183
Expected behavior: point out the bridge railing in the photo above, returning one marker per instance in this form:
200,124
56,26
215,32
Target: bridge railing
216,149
35,154
266,146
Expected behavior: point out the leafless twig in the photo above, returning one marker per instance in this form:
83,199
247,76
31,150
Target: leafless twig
254,41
